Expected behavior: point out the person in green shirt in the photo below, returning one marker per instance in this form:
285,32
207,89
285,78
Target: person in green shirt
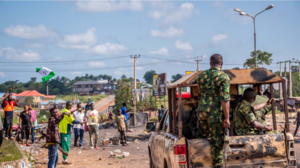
261,113
65,129
244,118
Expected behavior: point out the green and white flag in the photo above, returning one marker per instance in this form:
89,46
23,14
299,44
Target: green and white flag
46,73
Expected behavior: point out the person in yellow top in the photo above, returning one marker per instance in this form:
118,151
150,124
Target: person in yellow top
65,129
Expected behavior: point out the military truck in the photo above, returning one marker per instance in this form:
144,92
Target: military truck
172,144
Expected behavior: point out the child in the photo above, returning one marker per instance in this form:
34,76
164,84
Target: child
120,120
53,137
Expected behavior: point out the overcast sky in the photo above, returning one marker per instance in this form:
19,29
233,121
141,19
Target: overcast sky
99,37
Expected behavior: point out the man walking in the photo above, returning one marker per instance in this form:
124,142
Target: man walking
124,112
65,129
78,129
8,107
161,112
213,106
92,118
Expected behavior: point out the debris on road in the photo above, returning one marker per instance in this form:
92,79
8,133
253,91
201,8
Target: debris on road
136,141
107,126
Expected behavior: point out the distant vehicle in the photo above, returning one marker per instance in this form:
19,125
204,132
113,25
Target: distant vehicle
172,144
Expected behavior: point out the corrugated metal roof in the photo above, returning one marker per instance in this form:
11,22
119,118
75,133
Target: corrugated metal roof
86,83
237,76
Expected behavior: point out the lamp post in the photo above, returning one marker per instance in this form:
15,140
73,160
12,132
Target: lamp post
245,14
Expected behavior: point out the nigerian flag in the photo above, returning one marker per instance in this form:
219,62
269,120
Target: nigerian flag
46,73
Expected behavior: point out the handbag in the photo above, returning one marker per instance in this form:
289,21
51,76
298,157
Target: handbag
86,127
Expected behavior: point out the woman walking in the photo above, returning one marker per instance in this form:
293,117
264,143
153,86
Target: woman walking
25,124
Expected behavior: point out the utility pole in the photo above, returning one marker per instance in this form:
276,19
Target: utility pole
290,67
47,88
134,97
280,89
197,60
284,68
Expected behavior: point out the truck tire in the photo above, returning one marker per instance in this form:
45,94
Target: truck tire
151,163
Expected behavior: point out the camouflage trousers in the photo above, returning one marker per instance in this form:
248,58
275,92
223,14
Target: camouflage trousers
215,131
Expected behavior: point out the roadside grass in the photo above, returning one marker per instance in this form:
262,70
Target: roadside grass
83,99
153,119
11,152
276,112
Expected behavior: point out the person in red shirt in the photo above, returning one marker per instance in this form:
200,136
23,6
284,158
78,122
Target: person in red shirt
8,107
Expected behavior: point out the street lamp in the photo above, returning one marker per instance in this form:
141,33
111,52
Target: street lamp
245,14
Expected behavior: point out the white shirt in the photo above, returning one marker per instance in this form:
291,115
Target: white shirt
79,117
92,117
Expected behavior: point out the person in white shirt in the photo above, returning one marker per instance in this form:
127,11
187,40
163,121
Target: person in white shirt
79,129
92,118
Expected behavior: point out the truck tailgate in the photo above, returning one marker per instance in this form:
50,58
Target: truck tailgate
243,151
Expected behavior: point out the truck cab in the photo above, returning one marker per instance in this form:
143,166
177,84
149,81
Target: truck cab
172,144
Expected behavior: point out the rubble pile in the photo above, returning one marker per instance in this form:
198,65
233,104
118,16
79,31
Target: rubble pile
107,126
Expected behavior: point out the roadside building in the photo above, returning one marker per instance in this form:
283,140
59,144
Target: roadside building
48,97
37,97
92,86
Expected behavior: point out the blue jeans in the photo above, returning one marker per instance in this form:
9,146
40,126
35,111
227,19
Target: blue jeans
32,134
78,133
53,156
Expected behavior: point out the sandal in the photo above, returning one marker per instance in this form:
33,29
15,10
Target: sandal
66,162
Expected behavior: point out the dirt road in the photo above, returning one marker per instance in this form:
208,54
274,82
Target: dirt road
102,105
89,158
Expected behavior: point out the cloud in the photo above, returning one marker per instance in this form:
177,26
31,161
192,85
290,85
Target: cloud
77,73
85,38
108,48
27,32
57,58
25,56
97,64
139,68
74,46
109,5
204,57
183,45
217,39
218,4
171,32
236,18
2,75
163,51
156,14
185,11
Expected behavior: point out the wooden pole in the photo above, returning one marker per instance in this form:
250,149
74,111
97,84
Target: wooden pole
280,85
273,108
174,110
171,118
179,112
287,125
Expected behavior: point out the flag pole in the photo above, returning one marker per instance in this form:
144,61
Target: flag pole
47,88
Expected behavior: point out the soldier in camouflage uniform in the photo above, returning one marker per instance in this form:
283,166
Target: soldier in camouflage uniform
214,89
244,119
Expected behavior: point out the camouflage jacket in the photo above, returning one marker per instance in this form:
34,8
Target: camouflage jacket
264,111
214,87
242,118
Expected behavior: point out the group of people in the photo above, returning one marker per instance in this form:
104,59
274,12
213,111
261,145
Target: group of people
27,122
214,104
60,129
